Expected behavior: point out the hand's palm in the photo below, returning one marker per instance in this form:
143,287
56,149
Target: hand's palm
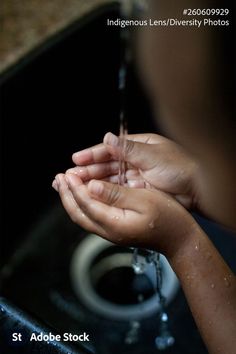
153,161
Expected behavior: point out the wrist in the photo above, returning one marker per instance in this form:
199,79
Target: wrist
186,254
178,232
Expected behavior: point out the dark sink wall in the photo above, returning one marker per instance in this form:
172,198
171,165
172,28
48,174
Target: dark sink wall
63,100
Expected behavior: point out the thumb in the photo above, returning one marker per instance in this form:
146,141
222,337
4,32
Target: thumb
115,195
140,155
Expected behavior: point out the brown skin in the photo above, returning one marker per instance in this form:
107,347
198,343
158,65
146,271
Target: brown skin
172,172
210,288
153,217
190,79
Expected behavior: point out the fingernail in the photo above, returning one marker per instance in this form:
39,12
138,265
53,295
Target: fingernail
71,170
95,187
78,171
75,154
111,139
78,153
55,185
57,179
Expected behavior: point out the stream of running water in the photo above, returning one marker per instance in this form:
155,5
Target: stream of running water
139,263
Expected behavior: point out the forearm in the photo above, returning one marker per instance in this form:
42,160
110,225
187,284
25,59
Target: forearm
210,288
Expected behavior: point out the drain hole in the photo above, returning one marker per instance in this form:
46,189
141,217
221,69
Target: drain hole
123,287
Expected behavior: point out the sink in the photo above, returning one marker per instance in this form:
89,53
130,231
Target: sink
60,99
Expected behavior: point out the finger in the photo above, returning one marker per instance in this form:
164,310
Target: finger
135,183
133,152
147,138
54,185
99,192
104,215
95,171
130,174
112,179
72,208
115,195
95,154
113,219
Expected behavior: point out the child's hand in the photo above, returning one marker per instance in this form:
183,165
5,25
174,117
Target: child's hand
127,216
152,162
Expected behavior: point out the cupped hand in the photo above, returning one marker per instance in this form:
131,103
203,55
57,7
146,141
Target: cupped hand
152,162
126,216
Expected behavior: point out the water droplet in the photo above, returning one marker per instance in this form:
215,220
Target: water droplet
188,276
128,340
140,298
2,310
133,333
212,286
228,302
164,317
210,323
168,203
227,282
83,215
138,268
163,342
151,225
197,246
135,324
115,217
170,341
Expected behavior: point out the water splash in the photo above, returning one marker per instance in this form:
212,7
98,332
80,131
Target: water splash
165,339
133,333
138,265
164,342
